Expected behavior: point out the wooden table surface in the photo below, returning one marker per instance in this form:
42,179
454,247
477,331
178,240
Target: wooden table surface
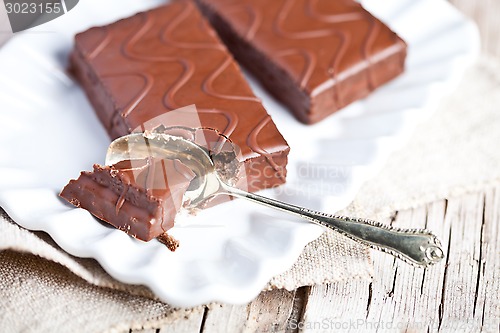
462,295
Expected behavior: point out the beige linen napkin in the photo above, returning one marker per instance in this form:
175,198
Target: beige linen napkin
454,152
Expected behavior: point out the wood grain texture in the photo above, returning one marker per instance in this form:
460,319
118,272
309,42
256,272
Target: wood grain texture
268,313
191,323
487,305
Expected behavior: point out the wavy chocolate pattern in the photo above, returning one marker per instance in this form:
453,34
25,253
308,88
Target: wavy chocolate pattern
208,84
148,85
311,10
231,117
342,36
309,63
255,18
167,31
147,23
101,43
254,144
332,30
321,46
181,62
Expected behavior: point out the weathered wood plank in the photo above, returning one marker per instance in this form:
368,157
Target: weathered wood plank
463,268
298,309
150,330
226,317
428,289
407,298
486,307
268,313
191,323
338,307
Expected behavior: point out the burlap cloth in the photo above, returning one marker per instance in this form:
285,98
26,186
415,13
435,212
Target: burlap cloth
44,289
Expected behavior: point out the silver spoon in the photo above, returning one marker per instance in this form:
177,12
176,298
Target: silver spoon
418,247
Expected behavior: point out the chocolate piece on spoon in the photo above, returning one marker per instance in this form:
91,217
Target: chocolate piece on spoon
143,186
140,196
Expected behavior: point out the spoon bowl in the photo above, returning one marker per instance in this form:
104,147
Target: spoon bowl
137,146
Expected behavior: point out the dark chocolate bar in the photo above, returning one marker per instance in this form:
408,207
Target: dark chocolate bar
137,70
315,56
140,197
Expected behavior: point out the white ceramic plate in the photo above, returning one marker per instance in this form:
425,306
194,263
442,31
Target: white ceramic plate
228,253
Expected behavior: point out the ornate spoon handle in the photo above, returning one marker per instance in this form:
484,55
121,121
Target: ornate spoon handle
418,247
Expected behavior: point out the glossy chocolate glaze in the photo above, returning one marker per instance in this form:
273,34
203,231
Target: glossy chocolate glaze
140,197
316,56
145,66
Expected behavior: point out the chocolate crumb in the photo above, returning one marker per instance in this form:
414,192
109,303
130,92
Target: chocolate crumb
170,242
75,202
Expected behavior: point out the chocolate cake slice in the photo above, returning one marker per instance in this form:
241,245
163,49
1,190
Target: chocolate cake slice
315,56
139,69
140,197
